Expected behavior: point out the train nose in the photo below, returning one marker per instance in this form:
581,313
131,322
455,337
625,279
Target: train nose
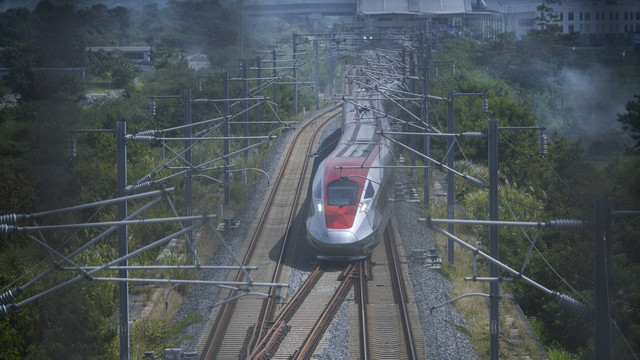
340,237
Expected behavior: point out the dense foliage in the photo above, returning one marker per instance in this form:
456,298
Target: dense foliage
522,80
630,120
38,174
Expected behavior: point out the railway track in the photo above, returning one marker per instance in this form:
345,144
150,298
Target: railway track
279,209
388,320
293,327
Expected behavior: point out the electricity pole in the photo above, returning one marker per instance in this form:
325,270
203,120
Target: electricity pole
245,107
188,186
259,86
123,244
274,58
602,318
450,182
494,291
315,47
425,119
295,77
225,90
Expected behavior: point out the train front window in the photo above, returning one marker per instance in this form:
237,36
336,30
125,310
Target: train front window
368,194
342,192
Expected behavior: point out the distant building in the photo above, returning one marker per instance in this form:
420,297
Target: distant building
599,23
519,16
139,55
198,61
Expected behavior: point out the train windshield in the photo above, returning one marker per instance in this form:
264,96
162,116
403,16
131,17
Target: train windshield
368,194
342,192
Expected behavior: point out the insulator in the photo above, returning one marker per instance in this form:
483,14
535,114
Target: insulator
10,296
475,182
152,108
143,138
145,178
435,73
137,187
147,133
12,219
453,69
476,134
485,105
570,303
542,147
566,224
72,144
7,229
5,310
199,85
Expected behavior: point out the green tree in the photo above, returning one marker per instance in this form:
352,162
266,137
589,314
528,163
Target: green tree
630,120
547,20
121,70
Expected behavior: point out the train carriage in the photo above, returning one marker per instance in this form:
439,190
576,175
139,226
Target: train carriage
351,187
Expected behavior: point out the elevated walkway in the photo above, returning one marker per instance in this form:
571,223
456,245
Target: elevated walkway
355,7
290,7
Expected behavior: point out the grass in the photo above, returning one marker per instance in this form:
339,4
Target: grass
475,309
557,353
159,334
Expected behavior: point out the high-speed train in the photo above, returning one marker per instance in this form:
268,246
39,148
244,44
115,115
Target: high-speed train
351,187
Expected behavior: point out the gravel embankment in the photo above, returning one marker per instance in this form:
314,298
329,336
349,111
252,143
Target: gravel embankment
430,288
442,339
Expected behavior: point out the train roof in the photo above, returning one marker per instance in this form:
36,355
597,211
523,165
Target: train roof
351,154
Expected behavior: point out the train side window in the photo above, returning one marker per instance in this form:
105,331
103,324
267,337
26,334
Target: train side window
342,192
368,194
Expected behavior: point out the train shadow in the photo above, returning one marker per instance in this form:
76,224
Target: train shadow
300,253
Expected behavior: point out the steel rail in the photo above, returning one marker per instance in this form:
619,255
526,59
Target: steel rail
224,315
311,342
400,291
271,302
363,300
266,343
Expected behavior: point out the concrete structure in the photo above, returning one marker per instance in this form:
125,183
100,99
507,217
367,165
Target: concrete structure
519,15
457,17
357,7
413,7
134,53
292,7
139,55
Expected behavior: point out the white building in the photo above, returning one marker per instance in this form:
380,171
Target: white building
519,15
599,22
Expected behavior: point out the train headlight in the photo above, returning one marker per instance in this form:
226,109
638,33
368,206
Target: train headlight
364,205
318,205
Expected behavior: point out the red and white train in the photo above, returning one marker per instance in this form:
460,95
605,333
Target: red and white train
351,187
